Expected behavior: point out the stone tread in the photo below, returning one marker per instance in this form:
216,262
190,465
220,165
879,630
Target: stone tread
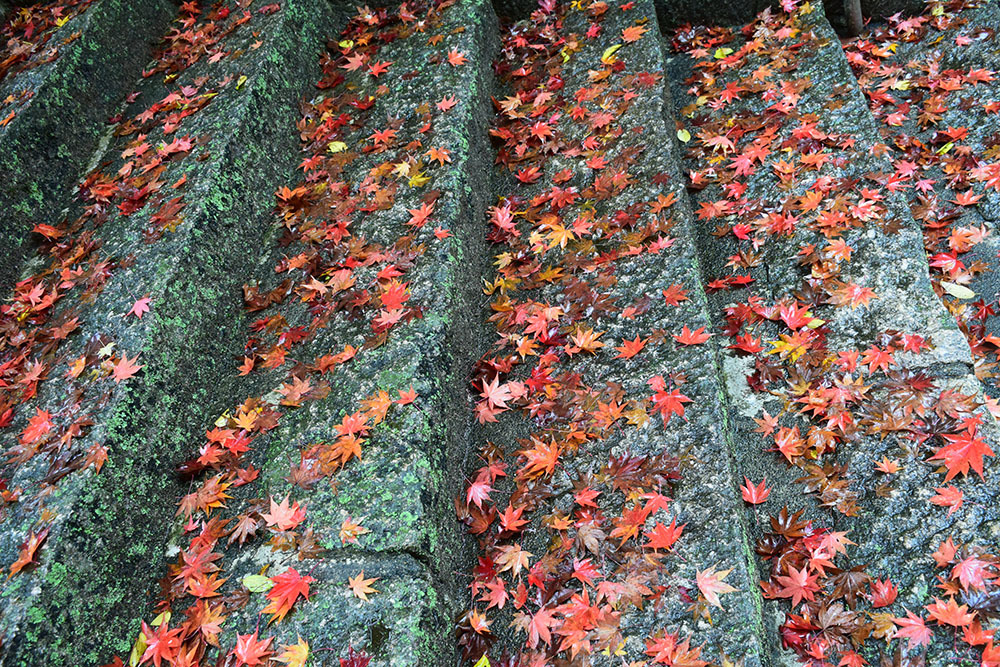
82,603
401,490
706,497
964,108
49,137
108,528
889,531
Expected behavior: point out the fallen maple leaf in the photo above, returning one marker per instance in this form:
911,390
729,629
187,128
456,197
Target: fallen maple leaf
630,348
139,308
456,58
798,585
964,450
688,337
125,368
283,517
711,585
752,494
913,629
446,103
251,651
350,531
288,587
360,586
38,425
294,655
664,537
163,644
949,613
633,33
28,551
948,496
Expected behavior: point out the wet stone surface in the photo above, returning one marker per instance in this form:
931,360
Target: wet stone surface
102,529
823,117
340,361
49,124
677,320
612,269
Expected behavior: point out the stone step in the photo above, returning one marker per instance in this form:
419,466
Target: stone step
172,218
930,50
51,122
622,201
393,197
674,13
725,107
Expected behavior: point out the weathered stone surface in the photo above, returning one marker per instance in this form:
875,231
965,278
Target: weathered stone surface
672,13
402,490
47,142
958,46
896,533
82,601
706,497
112,532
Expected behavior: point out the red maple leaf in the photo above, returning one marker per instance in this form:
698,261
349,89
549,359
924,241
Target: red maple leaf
664,537
538,627
883,593
913,629
630,348
139,308
948,496
667,403
797,585
964,450
163,644
250,651
288,587
949,613
283,517
688,337
38,425
674,294
755,495
125,368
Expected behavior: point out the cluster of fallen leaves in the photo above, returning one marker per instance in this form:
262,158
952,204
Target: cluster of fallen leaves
568,543
38,322
354,165
833,398
940,108
27,37
573,534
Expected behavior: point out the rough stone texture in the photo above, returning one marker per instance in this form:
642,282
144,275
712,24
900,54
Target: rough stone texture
878,9
82,602
672,13
110,539
895,534
963,109
706,497
46,145
404,486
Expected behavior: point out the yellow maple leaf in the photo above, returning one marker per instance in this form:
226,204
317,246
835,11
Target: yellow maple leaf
419,180
295,655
